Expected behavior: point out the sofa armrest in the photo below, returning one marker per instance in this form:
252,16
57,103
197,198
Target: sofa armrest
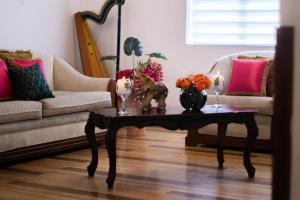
112,89
66,78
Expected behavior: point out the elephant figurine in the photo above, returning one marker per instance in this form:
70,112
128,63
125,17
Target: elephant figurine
152,90
157,91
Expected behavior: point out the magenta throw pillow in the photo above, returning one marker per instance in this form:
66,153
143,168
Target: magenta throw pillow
248,78
6,89
29,63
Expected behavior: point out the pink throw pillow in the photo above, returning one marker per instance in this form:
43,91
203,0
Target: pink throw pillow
6,89
29,63
248,78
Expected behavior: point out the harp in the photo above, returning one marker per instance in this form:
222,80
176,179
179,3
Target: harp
90,54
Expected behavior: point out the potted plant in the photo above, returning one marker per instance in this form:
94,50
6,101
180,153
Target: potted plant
145,76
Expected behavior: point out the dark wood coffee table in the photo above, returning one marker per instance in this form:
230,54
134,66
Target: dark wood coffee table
174,118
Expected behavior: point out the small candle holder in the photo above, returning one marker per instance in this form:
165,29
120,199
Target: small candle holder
124,89
218,87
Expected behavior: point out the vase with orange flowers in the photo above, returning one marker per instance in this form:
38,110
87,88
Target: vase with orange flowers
193,91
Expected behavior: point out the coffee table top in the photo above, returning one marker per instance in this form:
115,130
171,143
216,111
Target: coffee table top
174,111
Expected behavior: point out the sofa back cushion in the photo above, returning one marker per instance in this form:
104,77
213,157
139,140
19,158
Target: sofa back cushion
224,64
48,66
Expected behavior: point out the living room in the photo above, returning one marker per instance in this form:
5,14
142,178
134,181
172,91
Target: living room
160,165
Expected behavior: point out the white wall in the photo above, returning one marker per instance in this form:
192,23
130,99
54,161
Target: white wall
160,25
48,25
43,25
291,16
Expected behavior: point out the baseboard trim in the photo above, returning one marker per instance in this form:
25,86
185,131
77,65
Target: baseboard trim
46,149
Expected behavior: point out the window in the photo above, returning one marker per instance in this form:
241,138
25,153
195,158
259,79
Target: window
232,22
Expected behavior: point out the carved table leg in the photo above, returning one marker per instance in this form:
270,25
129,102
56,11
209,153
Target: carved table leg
110,141
191,138
250,142
90,135
222,128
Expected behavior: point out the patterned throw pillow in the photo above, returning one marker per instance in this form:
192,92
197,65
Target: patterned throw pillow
270,79
29,63
270,76
29,83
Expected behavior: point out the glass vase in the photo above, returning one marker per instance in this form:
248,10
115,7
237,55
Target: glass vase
193,100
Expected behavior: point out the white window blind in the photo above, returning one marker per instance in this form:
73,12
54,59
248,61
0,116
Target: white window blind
232,22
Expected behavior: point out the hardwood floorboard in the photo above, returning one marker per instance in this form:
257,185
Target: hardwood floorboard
156,165
22,171
71,191
197,196
189,149
141,159
193,179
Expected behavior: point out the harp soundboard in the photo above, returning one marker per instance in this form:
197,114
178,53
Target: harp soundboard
90,54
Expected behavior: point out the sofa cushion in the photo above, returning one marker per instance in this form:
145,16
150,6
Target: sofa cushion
29,63
43,123
248,77
270,75
29,83
72,102
14,111
6,88
224,64
48,66
264,105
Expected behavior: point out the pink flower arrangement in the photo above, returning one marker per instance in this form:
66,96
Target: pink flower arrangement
127,73
154,71
149,69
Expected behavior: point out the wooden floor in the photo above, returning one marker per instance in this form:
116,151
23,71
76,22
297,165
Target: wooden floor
154,166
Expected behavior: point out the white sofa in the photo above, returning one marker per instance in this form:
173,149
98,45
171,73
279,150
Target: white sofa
31,128
236,132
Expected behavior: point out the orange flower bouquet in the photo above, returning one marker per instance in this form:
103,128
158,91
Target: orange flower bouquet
199,82
193,96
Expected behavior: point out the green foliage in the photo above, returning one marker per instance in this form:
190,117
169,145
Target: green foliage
157,55
109,58
131,45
